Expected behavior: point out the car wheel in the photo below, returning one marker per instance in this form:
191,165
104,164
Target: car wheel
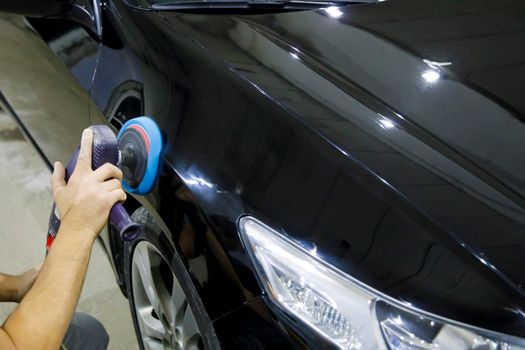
166,309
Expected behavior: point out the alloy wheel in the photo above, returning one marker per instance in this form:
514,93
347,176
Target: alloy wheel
164,317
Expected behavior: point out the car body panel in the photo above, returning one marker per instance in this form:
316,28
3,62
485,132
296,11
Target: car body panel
412,185
306,145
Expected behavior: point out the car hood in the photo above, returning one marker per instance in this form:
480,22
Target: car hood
425,95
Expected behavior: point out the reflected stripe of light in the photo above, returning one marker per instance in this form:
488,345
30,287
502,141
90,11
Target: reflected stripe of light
435,64
196,181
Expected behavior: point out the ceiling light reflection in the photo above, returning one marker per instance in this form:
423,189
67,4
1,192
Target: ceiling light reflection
197,181
294,55
435,64
431,76
386,124
333,11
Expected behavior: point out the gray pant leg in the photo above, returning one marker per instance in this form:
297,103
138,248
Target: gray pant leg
85,332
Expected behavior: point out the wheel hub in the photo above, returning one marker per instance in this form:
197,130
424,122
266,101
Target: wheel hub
163,315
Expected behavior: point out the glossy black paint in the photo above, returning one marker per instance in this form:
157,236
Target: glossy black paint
325,128
46,8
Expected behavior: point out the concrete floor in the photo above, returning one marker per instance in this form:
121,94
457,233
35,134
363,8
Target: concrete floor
40,89
24,211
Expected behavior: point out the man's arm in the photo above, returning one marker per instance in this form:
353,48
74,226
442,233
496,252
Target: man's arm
41,320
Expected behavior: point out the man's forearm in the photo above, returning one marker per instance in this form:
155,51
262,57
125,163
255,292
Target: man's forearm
42,318
8,288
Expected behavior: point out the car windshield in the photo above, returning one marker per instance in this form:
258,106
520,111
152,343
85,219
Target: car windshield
174,2
173,5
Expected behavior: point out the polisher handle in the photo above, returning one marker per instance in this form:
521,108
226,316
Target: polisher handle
119,217
105,150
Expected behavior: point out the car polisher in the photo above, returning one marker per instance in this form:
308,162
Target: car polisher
137,150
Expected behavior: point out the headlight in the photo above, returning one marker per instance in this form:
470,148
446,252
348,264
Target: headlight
346,312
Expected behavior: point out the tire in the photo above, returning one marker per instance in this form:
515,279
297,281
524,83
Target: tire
166,308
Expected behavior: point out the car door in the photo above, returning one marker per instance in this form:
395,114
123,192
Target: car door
47,66
129,61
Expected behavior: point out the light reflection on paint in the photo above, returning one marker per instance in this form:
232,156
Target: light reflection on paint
333,11
386,123
431,76
197,181
436,65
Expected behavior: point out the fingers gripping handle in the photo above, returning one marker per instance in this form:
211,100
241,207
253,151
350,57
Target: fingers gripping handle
105,149
103,153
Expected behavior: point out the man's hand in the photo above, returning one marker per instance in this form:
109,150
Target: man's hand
25,281
14,288
85,201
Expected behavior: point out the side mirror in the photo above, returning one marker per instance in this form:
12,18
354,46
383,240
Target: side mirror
86,12
36,8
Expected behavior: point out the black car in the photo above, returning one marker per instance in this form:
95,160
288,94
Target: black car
339,175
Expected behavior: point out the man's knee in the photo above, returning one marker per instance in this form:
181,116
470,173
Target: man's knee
86,332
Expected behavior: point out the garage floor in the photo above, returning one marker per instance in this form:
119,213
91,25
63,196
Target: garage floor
24,211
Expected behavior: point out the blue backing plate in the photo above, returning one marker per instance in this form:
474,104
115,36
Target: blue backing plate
156,151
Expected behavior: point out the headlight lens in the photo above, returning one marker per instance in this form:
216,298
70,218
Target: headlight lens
346,312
